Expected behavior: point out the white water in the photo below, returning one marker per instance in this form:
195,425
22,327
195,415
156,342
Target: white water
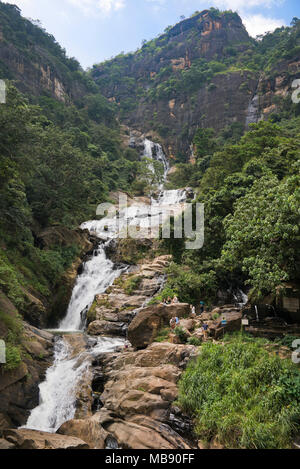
154,151
58,391
98,274
253,111
140,214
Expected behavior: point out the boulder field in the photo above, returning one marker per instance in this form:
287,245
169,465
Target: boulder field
112,312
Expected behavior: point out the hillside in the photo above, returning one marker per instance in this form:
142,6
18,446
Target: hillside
203,72
140,357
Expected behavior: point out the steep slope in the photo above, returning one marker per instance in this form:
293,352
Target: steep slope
204,72
193,75
32,57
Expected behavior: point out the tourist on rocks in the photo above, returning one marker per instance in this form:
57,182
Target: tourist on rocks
205,331
173,323
175,300
202,305
169,300
193,311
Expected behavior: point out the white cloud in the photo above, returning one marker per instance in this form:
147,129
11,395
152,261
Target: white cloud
259,24
104,7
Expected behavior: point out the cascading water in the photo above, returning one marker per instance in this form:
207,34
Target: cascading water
154,151
253,111
58,391
98,274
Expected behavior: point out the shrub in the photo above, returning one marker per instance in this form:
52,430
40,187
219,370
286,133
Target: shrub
181,334
243,395
162,335
13,357
194,341
132,284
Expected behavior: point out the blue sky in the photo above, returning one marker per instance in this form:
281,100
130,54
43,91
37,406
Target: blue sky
95,30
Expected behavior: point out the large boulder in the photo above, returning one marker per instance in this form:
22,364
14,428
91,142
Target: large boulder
233,324
32,439
89,430
4,444
145,433
145,326
138,390
106,328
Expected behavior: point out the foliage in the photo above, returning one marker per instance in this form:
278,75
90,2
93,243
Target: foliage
181,334
166,293
251,196
163,335
263,234
288,341
194,341
242,395
14,327
132,284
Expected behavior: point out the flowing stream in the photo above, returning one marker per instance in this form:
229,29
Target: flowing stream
58,391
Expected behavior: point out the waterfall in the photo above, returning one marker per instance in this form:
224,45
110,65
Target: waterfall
253,111
58,391
154,151
98,274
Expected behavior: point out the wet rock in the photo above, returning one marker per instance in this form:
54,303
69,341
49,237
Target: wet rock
106,328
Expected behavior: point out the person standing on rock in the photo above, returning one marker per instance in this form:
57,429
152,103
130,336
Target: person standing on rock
202,304
205,331
193,311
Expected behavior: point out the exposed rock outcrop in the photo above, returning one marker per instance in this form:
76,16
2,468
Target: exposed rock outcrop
145,326
139,390
89,430
19,391
111,312
31,439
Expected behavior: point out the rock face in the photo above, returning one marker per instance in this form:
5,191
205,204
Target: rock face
233,323
19,392
138,393
31,439
60,236
89,430
43,70
145,326
175,114
111,312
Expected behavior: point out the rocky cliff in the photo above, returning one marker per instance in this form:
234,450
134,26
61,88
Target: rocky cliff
204,72
33,58
183,80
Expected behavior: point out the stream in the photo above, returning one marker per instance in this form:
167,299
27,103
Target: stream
58,392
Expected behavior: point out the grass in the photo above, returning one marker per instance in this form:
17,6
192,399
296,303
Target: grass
163,335
243,395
